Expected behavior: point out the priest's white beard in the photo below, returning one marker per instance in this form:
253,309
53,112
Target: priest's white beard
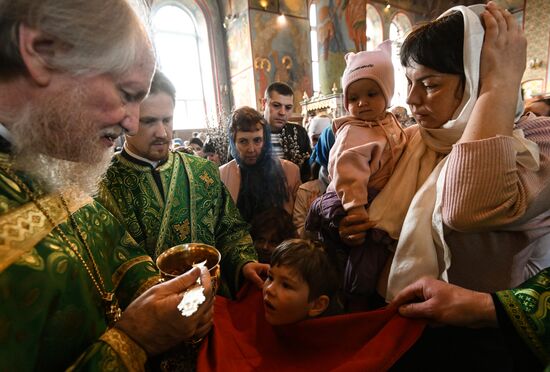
57,144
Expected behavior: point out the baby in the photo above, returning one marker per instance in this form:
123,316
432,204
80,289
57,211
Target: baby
370,141
368,145
301,283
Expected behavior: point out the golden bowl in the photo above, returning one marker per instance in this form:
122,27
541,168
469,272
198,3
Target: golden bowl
181,258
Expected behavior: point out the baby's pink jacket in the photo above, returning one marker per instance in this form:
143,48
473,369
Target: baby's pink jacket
363,158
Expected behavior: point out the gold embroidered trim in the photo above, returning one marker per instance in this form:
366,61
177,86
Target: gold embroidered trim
192,196
23,227
152,281
167,209
206,179
132,355
127,265
521,323
182,229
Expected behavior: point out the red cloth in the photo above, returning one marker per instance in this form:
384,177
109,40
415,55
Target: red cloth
242,340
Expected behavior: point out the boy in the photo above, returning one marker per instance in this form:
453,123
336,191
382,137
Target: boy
301,283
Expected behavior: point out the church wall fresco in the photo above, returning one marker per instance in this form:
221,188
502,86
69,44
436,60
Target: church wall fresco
279,53
266,51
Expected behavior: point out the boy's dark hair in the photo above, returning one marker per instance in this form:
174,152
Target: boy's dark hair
311,261
438,45
160,83
281,88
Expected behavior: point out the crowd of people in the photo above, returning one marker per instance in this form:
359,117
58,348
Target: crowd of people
442,217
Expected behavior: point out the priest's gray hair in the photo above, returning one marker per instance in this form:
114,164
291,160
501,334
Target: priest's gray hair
97,36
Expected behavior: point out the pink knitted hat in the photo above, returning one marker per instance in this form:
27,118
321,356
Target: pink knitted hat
375,65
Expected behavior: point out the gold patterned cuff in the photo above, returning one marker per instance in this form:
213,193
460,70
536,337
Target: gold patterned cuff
132,355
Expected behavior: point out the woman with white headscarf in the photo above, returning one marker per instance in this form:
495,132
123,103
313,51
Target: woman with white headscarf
316,127
469,201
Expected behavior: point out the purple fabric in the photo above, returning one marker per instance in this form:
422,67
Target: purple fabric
360,266
364,266
324,216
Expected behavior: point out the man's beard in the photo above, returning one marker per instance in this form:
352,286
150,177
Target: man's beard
59,147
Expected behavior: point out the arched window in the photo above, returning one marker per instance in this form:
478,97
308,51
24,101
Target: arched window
314,48
183,55
374,27
399,28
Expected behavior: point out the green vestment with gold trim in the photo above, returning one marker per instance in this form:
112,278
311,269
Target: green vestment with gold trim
51,314
528,308
190,205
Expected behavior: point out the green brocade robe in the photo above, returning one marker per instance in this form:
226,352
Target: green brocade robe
191,204
51,314
528,308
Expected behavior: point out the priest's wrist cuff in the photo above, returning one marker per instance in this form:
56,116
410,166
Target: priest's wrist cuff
131,354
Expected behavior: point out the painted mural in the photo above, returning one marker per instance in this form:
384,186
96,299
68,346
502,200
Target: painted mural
238,45
296,8
243,88
268,5
277,59
341,26
341,29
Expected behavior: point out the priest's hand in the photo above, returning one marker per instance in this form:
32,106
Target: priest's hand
443,303
254,272
154,321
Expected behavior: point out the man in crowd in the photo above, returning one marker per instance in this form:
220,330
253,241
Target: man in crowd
290,141
168,198
67,267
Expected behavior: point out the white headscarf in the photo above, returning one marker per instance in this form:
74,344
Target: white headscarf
417,181
317,125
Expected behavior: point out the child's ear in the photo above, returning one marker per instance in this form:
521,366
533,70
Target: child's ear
318,306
